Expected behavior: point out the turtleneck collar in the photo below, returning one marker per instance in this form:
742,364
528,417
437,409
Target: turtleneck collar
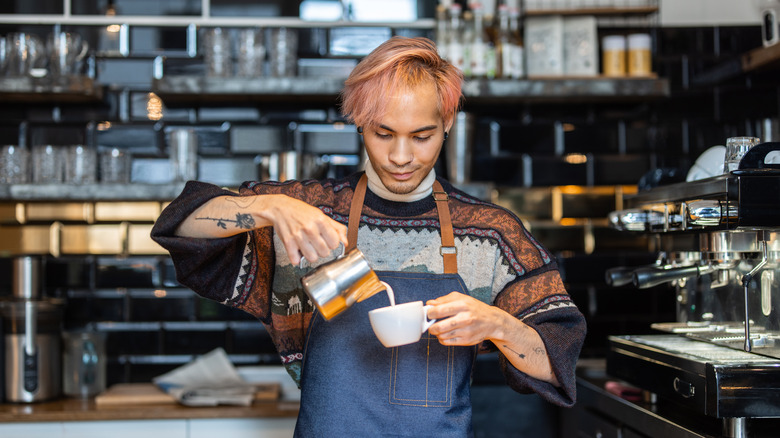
375,185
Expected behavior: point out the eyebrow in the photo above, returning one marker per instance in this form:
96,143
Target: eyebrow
424,128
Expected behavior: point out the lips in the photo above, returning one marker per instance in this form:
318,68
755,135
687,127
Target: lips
402,176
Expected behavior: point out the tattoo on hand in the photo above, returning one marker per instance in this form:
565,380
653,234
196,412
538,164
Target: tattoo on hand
520,355
540,350
242,220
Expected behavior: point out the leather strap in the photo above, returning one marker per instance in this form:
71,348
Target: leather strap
354,212
447,250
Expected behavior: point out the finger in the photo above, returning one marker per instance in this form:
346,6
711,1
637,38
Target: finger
450,297
295,256
318,244
333,235
309,252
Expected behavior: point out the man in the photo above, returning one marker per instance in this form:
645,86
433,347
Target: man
490,284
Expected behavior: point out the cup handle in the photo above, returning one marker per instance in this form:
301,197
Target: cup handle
83,52
427,323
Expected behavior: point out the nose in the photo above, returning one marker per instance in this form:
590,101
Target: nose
401,153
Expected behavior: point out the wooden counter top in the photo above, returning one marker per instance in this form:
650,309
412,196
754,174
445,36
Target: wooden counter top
67,409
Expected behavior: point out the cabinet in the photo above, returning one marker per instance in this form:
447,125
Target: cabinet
183,428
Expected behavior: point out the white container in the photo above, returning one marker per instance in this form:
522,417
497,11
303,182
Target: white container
613,55
544,46
580,46
639,55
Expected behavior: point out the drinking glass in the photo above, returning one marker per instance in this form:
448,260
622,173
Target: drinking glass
283,52
25,52
217,53
80,164
183,154
66,53
14,164
3,55
47,164
115,166
251,53
736,148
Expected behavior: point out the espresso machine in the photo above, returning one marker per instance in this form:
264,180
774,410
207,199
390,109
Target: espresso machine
31,328
719,248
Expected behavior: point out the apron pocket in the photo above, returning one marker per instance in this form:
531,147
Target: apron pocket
421,374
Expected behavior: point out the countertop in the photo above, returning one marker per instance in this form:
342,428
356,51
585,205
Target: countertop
69,409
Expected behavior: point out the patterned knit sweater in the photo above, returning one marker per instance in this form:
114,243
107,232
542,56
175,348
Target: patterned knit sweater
499,261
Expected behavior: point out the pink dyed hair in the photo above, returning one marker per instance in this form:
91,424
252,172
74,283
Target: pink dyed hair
399,63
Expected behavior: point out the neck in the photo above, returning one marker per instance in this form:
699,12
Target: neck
421,191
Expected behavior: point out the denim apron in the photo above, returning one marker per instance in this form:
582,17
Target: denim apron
353,386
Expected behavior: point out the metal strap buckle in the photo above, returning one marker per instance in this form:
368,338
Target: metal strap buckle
445,197
448,250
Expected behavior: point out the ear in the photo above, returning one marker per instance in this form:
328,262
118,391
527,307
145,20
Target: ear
448,123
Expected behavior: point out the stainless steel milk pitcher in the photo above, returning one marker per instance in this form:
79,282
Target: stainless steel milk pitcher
339,283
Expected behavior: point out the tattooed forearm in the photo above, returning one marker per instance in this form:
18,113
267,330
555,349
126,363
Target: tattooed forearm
242,220
520,355
538,350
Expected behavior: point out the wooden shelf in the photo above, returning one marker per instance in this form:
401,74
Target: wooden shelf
71,89
761,57
610,11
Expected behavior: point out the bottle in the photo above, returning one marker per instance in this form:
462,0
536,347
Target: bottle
613,55
509,46
442,31
454,42
468,43
483,63
639,57
517,55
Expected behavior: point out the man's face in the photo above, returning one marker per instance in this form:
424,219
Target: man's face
404,145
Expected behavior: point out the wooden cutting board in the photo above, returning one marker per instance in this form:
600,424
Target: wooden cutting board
149,393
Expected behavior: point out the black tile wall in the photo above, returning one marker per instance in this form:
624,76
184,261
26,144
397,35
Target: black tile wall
154,325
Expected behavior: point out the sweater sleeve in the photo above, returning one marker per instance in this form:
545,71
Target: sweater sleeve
563,332
207,266
539,300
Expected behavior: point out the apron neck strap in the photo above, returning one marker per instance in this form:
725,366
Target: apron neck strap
447,250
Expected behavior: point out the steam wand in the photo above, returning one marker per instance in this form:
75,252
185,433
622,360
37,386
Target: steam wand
746,279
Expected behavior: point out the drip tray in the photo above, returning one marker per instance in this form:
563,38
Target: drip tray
710,379
727,334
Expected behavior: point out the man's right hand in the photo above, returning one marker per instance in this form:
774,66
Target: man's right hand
304,230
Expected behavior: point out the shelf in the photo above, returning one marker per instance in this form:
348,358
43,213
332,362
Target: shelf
200,20
188,89
71,89
564,89
90,192
179,89
607,11
761,57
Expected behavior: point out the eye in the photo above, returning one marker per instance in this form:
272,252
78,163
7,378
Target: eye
382,136
422,139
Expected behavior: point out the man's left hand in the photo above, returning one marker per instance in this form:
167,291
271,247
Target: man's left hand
468,320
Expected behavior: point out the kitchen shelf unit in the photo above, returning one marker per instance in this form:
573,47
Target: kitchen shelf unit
187,89
71,89
604,11
113,192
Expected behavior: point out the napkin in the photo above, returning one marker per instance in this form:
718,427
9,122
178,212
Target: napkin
209,380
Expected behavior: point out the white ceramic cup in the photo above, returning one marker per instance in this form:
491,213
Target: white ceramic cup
400,324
